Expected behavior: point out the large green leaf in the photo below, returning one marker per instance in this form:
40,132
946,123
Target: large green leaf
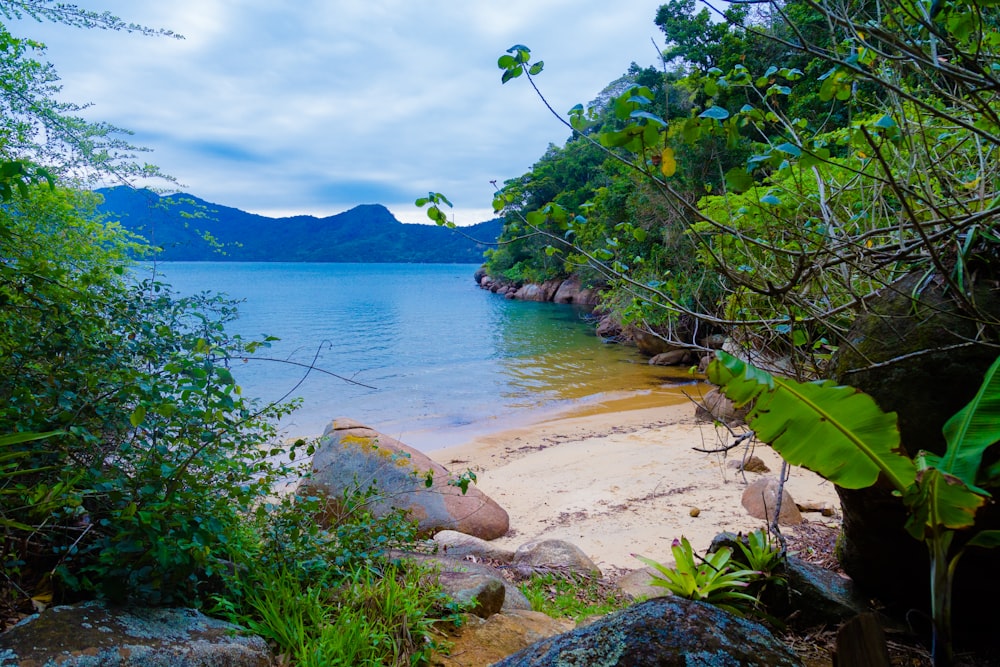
973,429
836,431
940,502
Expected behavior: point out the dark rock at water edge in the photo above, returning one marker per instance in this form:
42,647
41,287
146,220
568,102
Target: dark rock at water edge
91,634
662,632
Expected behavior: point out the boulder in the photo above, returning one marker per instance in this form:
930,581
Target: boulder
648,343
479,593
350,453
91,634
540,555
478,642
672,358
760,499
638,584
536,292
715,406
572,291
608,328
821,597
662,632
513,597
459,545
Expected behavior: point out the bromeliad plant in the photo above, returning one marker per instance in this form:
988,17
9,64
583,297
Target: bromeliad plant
713,580
840,433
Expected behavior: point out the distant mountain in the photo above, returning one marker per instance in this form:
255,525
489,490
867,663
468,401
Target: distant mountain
370,233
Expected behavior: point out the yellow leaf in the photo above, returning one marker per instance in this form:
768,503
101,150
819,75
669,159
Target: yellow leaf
668,165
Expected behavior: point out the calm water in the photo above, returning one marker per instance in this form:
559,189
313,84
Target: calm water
440,359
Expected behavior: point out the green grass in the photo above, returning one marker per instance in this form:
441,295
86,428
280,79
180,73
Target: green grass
570,597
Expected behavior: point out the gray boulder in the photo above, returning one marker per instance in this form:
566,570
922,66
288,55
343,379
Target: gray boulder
93,635
540,555
662,632
350,453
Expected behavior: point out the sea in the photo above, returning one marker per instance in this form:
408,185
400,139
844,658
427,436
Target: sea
416,351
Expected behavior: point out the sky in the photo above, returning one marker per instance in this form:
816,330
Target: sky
317,106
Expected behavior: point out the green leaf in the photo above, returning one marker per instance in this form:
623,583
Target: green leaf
738,180
988,539
940,501
836,431
885,122
718,113
790,149
973,429
536,68
138,415
18,438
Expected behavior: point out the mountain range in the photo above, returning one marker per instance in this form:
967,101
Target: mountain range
192,229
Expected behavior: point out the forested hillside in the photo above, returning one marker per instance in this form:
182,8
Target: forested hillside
189,228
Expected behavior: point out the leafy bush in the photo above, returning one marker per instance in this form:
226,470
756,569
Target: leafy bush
154,456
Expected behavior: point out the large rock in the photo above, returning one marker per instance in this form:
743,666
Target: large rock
760,499
924,378
513,597
350,453
661,632
459,545
542,555
478,643
93,635
535,292
572,291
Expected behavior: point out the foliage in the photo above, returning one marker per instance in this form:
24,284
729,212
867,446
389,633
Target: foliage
713,580
370,617
157,454
850,144
576,598
841,434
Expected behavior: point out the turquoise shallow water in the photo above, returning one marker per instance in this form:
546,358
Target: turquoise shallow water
441,359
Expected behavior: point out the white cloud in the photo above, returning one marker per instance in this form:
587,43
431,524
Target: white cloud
317,106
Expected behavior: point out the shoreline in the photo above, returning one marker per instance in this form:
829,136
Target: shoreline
622,479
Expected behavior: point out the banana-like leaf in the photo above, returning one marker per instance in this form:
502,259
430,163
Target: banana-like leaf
972,430
940,502
835,431
989,539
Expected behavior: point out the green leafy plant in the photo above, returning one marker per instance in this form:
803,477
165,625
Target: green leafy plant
841,434
711,579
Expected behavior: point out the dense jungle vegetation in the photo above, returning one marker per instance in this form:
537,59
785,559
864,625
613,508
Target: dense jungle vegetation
787,162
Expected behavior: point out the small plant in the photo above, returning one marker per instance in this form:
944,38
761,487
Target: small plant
711,580
570,597
760,553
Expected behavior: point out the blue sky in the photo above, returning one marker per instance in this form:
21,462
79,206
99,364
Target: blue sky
315,106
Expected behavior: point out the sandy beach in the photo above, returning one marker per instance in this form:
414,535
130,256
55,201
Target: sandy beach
621,481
